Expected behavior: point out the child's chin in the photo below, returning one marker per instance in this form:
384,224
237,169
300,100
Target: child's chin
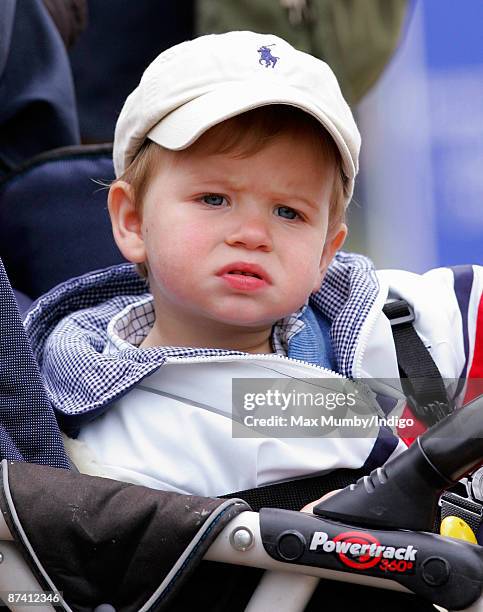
250,322
249,315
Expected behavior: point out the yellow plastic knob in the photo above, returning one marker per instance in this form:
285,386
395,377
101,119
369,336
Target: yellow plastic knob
455,527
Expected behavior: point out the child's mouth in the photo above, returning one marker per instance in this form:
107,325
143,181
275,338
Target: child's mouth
244,273
244,276
243,281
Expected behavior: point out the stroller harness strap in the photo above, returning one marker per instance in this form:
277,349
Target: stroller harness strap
420,378
294,494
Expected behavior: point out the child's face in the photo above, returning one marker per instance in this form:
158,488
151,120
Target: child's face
208,218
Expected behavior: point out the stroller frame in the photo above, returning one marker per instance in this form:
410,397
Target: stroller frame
285,588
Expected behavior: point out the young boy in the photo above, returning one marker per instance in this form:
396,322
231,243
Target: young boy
235,160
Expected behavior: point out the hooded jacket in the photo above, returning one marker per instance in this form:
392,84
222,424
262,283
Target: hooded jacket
68,331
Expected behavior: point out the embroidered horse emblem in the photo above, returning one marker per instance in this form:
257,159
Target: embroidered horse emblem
266,56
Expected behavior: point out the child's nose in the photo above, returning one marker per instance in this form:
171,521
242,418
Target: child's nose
251,233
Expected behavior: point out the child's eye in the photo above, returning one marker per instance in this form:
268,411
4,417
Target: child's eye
286,212
213,199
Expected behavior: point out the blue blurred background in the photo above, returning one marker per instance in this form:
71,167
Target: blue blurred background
421,184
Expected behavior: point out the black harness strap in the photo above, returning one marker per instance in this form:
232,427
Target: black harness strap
420,378
295,494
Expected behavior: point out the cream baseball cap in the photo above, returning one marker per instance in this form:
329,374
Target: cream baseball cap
194,85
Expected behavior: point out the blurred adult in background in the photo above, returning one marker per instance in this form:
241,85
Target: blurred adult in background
37,99
356,37
38,110
122,38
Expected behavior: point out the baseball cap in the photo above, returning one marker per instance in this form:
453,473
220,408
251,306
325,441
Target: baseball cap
197,84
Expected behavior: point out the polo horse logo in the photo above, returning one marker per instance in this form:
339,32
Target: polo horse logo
266,56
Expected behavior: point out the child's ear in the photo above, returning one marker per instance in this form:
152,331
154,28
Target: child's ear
126,222
333,243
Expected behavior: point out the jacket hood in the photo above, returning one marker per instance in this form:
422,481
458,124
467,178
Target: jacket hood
67,328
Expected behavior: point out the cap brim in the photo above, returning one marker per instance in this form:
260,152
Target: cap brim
183,126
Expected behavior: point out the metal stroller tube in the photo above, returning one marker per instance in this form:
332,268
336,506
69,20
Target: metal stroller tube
405,492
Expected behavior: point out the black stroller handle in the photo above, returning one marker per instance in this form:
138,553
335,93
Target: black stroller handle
404,493
455,445
385,516
442,570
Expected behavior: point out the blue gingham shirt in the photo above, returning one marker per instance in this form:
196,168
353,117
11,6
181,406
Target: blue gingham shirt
130,326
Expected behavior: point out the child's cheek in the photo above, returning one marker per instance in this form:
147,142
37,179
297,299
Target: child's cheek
196,242
177,256
308,261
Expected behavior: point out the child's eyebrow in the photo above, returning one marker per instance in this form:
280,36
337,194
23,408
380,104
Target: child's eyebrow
222,182
217,181
278,197
202,176
290,197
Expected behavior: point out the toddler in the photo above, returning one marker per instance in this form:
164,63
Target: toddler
235,160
